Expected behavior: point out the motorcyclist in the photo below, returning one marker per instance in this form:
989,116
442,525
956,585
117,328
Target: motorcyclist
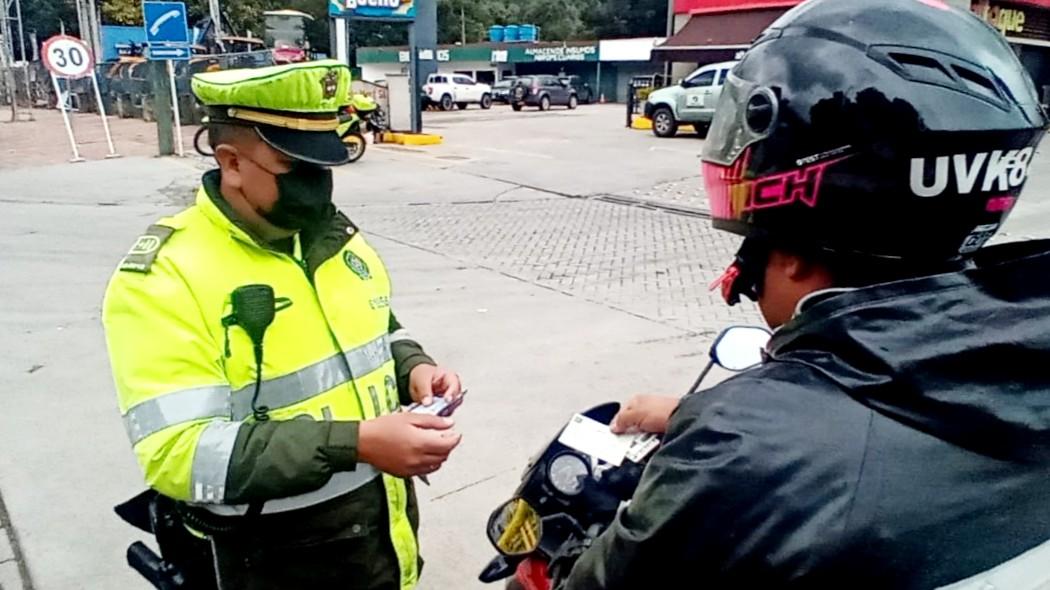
898,433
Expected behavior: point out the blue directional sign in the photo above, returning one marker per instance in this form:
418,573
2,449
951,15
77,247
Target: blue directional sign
165,22
174,52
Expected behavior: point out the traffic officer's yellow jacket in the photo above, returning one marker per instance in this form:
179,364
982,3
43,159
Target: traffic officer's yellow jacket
185,374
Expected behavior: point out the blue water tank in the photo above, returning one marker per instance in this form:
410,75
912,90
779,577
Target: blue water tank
496,33
511,32
528,33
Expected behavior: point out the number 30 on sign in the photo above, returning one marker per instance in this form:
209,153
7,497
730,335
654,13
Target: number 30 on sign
68,56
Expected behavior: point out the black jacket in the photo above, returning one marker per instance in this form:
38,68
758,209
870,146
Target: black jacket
898,436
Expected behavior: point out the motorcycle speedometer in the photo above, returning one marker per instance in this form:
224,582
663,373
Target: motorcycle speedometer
567,473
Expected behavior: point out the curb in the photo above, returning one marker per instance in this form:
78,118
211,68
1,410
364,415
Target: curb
14,573
646,124
412,138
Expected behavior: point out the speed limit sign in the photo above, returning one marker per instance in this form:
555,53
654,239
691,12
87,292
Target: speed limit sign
68,56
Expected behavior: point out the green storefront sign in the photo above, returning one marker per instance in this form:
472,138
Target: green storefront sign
496,54
563,53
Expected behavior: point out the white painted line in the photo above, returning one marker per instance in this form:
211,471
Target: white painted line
519,153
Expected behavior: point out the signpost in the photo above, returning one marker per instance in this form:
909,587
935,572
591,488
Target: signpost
71,59
422,35
167,32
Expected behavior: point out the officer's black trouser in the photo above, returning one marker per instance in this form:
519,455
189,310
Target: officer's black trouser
342,544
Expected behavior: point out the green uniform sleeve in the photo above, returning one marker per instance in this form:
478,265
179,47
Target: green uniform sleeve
408,354
278,459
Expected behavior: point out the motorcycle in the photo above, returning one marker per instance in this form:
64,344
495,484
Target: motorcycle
362,114
574,488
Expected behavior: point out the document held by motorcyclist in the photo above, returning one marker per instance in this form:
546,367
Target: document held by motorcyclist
897,433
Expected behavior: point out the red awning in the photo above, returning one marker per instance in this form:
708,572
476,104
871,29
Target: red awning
716,36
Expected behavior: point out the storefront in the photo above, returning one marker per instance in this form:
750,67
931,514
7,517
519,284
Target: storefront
487,62
712,31
709,31
603,65
1026,25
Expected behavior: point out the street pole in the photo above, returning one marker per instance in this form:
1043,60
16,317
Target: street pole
174,106
670,33
422,36
21,31
25,59
81,27
65,119
162,107
94,40
216,18
413,80
7,60
462,25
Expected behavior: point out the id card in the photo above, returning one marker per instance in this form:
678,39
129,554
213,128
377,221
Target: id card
439,407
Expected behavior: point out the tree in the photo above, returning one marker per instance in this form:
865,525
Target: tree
46,19
628,18
121,12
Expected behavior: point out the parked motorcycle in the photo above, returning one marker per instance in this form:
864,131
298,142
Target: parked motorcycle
362,114
572,490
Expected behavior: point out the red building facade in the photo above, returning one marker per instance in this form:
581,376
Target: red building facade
709,31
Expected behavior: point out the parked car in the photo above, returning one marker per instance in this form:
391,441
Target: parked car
501,90
448,90
691,101
583,89
542,92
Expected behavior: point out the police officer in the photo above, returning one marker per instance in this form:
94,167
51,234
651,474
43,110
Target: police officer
898,434
259,367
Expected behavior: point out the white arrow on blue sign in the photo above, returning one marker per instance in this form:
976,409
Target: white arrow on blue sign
169,52
165,22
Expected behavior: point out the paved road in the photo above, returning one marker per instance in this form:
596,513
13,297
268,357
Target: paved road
557,260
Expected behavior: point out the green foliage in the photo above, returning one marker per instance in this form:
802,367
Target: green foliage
559,20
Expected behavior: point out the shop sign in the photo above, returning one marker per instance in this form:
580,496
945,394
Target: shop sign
563,53
399,10
1014,20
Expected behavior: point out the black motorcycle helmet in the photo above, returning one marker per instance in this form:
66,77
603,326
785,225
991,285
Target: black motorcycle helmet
896,131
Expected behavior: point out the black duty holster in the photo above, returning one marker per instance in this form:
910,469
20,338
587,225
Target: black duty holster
185,561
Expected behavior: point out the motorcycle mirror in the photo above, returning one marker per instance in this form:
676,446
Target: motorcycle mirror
740,347
515,528
500,568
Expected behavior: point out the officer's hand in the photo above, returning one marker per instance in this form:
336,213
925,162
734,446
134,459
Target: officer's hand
426,381
405,444
645,413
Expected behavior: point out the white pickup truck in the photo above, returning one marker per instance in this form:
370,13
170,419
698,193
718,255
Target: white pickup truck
692,101
448,90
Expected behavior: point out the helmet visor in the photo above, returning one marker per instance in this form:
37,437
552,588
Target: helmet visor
746,113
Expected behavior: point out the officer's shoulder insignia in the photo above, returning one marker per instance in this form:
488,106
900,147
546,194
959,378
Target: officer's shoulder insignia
330,84
357,265
141,256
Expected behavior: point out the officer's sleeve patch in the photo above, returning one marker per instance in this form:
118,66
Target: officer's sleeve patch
146,248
